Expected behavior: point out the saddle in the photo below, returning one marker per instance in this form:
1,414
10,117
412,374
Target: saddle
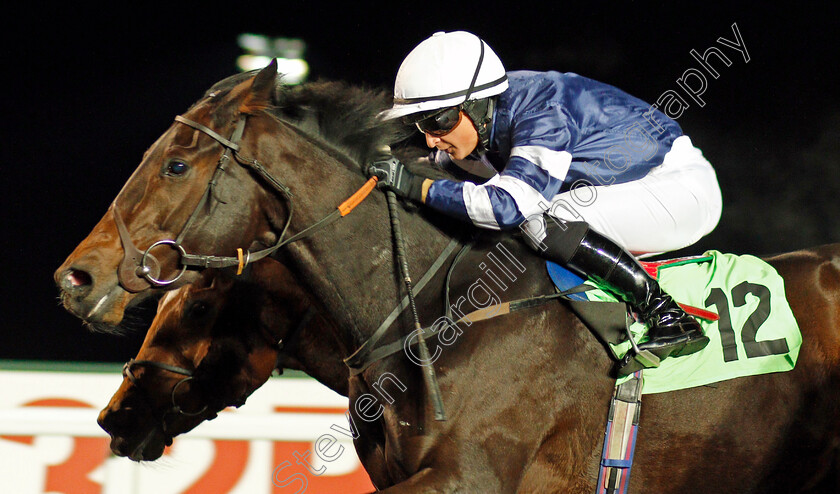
743,290
609,320
744,312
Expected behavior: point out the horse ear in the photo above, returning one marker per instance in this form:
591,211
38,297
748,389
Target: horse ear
262,89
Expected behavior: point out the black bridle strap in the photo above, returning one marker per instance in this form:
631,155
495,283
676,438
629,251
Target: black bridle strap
151,363
136,259
134,262
233,143
208,261
175,408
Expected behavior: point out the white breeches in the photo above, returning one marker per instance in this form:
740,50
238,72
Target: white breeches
671,207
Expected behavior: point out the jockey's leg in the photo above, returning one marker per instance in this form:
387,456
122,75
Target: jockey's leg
668,209
671,331
599,225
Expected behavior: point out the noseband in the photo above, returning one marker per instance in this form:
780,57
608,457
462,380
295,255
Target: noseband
175,408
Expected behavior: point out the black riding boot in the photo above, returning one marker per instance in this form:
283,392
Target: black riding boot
671,331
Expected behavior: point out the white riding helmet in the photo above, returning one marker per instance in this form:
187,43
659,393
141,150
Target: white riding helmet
445,70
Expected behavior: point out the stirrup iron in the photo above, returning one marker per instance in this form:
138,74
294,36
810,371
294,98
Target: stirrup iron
642,359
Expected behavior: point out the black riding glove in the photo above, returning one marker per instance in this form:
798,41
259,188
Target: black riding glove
393,175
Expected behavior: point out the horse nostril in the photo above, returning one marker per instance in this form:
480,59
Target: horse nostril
75,279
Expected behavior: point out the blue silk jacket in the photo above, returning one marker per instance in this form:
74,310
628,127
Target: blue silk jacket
552,131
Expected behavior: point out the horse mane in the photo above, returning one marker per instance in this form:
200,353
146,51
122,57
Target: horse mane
341,115
345,119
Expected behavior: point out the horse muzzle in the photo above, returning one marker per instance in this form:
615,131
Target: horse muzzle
90,299
135,434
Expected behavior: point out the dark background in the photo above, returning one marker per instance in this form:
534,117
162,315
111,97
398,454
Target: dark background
86,92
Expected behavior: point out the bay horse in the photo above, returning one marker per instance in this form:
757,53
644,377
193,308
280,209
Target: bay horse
526,393
211,344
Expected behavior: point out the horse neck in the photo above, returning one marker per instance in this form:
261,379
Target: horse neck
310,340
319,351
349,265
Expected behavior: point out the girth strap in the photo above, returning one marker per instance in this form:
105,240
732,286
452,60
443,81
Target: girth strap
620,437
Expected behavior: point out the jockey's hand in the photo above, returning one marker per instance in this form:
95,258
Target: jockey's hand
393,175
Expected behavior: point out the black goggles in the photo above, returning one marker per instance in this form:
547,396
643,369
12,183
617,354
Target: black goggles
441,122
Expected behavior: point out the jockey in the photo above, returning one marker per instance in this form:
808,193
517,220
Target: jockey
586,171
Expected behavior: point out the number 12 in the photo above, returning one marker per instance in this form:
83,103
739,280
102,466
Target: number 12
752,348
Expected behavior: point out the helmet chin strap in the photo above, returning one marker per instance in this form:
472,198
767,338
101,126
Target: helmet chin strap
480,111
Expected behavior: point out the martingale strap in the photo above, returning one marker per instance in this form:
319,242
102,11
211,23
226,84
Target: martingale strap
368,353
620,437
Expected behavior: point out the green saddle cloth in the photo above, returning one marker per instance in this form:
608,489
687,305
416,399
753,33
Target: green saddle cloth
756,333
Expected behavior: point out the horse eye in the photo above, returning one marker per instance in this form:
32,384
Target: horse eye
199,309
176,168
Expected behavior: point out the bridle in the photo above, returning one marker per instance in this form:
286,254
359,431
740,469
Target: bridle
146,269
273,341
174,408
141,270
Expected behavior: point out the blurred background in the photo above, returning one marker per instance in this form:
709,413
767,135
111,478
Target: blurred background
87,91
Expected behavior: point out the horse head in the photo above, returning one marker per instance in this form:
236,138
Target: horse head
196,192
212,344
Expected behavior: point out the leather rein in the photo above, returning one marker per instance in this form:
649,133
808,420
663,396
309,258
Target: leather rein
140,270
